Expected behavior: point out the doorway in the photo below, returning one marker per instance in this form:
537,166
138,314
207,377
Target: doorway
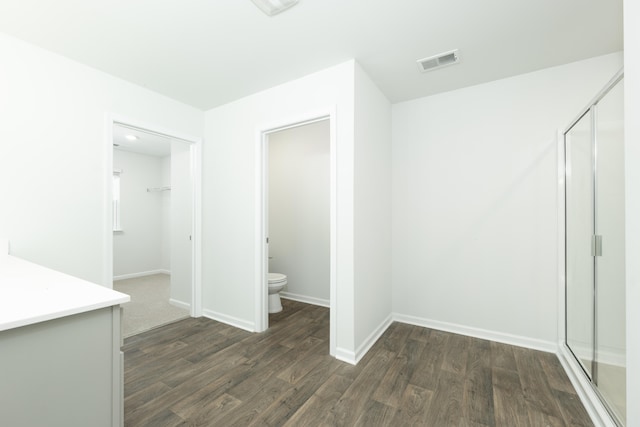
298,211
153,223
311,268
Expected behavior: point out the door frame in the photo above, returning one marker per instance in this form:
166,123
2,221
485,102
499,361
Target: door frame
261,216
195,144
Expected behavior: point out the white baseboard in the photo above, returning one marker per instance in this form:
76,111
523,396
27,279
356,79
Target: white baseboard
230,320
606,355
519,341
347,356
353,357
302,298
373,337
141,274
180,304
612,356
596,410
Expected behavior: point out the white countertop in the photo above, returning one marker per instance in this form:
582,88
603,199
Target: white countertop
30,293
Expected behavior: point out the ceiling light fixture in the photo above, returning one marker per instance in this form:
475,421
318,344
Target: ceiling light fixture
131,137
273,7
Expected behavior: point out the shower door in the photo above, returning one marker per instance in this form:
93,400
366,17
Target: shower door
595,256
580,262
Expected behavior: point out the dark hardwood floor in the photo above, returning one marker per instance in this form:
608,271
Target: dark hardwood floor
198,372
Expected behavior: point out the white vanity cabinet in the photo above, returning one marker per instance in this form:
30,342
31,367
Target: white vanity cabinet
60,349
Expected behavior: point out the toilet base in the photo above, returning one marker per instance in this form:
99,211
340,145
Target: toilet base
275,305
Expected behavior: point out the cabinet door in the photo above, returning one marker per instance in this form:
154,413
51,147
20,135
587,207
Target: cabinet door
59,372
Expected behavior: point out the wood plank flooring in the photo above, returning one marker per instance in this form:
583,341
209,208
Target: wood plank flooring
199,372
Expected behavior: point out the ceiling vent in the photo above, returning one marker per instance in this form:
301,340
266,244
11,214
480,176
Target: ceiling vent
438,61
273,7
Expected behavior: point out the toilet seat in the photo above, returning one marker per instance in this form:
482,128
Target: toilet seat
276,278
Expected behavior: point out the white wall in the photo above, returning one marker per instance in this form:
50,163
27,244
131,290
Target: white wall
372,212
53,154
229,191
138,247
632,187
475,202
299,210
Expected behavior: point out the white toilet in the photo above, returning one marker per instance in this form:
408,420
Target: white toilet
276,284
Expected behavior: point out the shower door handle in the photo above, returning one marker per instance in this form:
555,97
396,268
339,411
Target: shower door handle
596,245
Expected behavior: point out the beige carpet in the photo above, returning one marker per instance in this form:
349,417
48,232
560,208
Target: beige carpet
149,306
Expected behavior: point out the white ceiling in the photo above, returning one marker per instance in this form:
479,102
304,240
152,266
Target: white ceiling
209,52
148,144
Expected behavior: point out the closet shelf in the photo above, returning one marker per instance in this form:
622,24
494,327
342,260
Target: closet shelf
157,189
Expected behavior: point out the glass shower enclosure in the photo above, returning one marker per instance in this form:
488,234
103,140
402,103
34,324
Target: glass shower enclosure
595,246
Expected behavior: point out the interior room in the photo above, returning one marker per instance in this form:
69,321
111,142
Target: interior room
299,206
479,182
147,224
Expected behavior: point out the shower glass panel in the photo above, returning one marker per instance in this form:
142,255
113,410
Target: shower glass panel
580,309
595,246
610,348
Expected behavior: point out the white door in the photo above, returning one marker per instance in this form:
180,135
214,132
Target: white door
181,224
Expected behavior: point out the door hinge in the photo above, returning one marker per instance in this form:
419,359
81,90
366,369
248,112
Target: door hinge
596,245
